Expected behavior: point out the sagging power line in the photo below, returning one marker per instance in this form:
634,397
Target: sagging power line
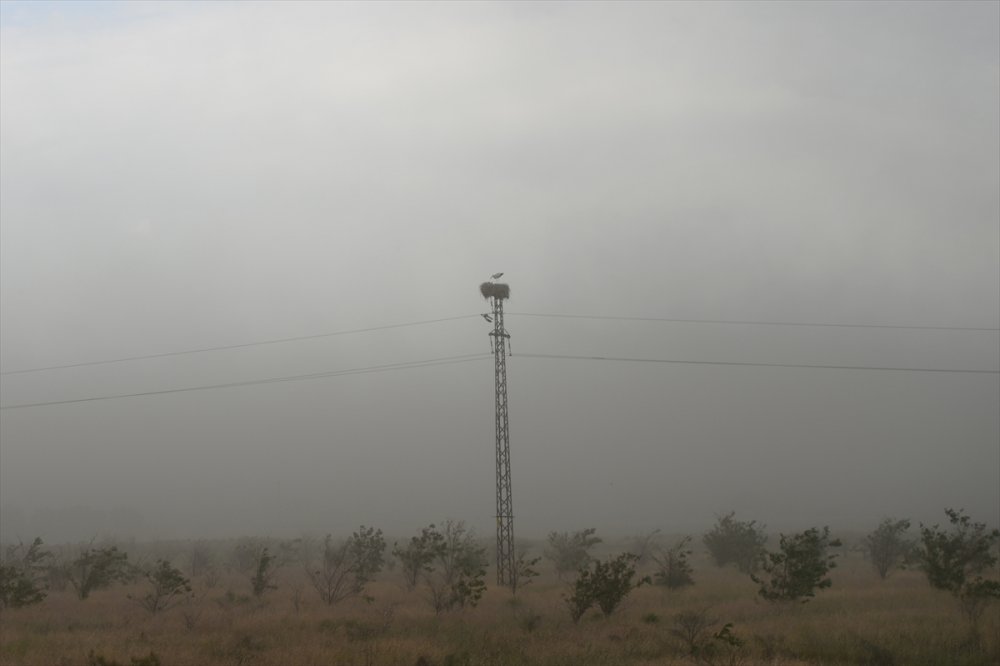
814,366
482,356
297,338
406,365
200,350
745,322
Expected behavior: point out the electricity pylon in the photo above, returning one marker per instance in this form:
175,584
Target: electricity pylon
497,293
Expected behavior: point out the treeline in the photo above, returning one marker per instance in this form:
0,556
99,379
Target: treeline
449,564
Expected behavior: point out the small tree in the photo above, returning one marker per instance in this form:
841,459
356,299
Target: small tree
694,629
170,588
22,575
255,559
570,552
736,542
455,577
799,569
263,571
98,569
673,568
416,557
887,547
345,569
367,547
605,584
201,559
645,547
524,571
955,560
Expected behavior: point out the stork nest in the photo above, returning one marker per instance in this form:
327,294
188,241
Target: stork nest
495,290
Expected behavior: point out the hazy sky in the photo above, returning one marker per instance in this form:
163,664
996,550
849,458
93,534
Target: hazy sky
186,175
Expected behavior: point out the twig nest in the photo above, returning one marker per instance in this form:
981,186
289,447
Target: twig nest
495,290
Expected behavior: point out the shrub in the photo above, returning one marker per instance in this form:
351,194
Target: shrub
449,562
97,569
887,546
644,546
415,559
457,572
954,561
170,588
22,575
255,559
694,629
264,570
674,570
570,552
524,571
799,568
605,584
736,542
346,569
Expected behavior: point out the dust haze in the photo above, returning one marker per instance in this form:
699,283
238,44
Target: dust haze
178,176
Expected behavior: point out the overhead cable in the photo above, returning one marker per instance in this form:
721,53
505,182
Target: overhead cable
742,322
468,316
236,346
475,357
407,365
580,357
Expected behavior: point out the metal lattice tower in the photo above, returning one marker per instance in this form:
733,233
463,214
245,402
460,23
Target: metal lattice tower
505,514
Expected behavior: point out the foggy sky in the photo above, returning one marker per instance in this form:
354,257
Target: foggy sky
187,175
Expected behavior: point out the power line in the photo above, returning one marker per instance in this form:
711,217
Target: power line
750,323
406,365
517,314
749,364
449,360
236,346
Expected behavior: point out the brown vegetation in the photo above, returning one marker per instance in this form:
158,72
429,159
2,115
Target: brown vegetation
859,620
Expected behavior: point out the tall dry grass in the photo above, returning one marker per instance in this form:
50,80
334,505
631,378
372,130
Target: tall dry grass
860,620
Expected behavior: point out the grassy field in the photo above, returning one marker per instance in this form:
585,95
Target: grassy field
860,620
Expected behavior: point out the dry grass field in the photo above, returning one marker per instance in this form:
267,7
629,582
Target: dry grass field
860,620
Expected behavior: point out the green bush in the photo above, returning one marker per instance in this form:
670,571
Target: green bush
674,570
798,570
524,571
98,569
345,570
887,546
955,560
416,557
22,575
736,542
605,584
449,562
169,588
264,570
